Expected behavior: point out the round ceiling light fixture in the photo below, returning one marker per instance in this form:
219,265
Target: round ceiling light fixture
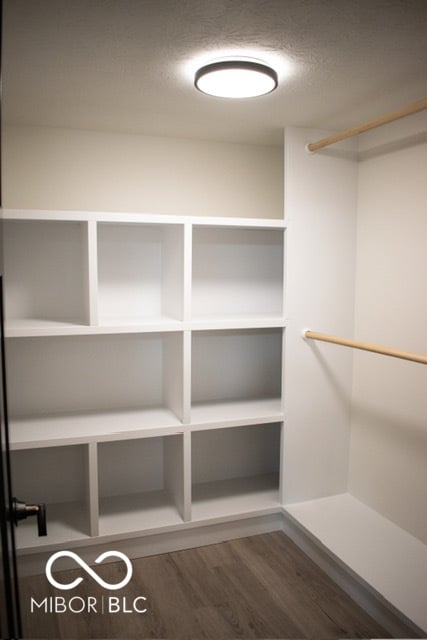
236,79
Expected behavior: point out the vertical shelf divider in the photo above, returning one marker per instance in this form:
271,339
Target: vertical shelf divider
92,267
174,465
283,425
173,382
282,394
187,477
92,496
282,372
188,268
282,477
186,361
282,464
285,268
186,418
173,271
188,258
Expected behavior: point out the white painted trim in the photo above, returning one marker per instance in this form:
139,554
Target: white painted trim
31,437
187,477
188,270
92,488
167,542
202,535
92,266
140,218
177,529
38,328
386,560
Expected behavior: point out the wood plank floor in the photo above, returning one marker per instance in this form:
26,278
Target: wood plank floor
257,587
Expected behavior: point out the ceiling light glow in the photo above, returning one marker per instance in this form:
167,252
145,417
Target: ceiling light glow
236,79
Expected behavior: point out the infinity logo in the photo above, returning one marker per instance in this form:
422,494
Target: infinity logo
87,568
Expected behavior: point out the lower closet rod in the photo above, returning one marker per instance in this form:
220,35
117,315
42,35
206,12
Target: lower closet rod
366,346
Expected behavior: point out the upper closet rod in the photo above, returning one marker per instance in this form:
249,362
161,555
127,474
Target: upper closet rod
372,124
366,346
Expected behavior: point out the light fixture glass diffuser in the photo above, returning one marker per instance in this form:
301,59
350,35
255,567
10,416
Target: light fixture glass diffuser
236,79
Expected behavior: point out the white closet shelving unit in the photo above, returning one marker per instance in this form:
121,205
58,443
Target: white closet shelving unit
144,360
322,204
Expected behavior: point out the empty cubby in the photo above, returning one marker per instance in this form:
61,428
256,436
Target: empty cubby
237,272
235,470
140,272
58,477
140,484
238,369
96,374
45,271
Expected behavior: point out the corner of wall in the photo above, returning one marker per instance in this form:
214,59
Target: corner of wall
320,209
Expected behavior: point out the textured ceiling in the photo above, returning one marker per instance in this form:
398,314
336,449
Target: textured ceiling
126,65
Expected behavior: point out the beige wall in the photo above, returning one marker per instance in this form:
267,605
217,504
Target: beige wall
53,168
388,454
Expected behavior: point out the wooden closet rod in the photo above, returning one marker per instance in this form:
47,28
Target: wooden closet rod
372,124
366,346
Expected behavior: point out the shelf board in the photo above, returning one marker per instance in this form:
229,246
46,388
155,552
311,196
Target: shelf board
29,327
241,223
103,426
389,559
32,327
141,324
236,412
66,522
137,512
258,321
35,327
235,496
138,217
76,428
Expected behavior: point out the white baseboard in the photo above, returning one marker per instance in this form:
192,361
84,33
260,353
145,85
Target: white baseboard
361,592
150,545
388,616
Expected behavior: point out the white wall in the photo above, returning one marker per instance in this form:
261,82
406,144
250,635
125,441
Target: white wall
58,168
388,458
53,168
320,210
